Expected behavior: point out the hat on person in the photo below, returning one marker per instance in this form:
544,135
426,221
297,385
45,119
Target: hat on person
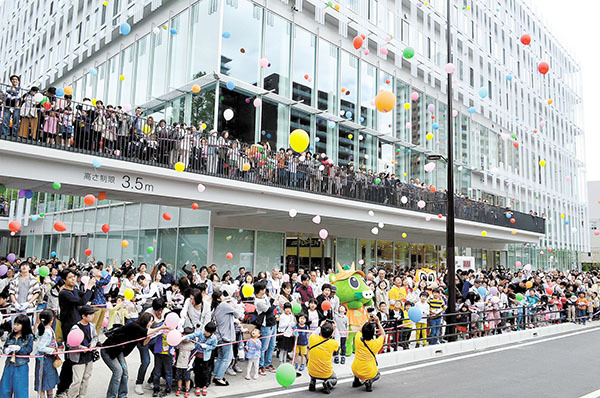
52,90
86,310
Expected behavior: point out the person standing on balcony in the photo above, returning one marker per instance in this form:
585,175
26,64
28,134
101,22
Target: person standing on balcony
99,125
123,131
11,107
29,115
137,135
212,160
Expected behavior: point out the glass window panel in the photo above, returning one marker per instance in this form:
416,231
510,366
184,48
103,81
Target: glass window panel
304,65
100,245
114,247
89,219
78,221
348,141
90,86
113,81
241,127
346,251
127,70
401,256
300,120
277,51
132,249
367,151
100,87
418,119
193,218
349,82
147,238
367,254
238,242
177,57
385,255
328,76
116,217
64,247
193,246
132,216
325,138
173,211
167,247
204,32
159,66
368,91
269,251
149,216
275,124
203,108
141,70
241,52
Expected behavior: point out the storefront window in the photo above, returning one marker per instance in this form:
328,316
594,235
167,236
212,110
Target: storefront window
346,251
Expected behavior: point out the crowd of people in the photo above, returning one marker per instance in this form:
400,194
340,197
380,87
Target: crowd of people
227,321
123,132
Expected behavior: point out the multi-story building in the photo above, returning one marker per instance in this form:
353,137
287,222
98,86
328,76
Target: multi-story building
516,147
591,257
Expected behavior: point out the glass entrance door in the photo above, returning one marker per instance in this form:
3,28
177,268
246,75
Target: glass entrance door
308,252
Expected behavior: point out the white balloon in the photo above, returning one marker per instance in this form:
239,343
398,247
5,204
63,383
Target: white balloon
429,167
374,230
317,219
428,218
421,204
380,225
293,213
323,234
201,188
228,114
371,213
404,200
38,97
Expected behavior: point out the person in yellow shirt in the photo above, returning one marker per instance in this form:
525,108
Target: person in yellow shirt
321,347
367,346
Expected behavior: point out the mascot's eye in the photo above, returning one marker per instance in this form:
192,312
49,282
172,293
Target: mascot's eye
431,278
353,282
423,276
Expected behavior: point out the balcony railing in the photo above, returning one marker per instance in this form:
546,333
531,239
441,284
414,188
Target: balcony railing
113,133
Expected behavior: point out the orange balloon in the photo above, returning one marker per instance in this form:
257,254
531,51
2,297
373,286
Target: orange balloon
89,199
195,206
167,216
60,226
385,101
101,195
433,188
357,42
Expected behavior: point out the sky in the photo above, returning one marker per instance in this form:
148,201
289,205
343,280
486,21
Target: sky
575,25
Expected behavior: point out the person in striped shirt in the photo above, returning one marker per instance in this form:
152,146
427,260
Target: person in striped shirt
437,306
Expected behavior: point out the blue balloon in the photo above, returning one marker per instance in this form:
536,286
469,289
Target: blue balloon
509,78
230,85
508,215
34,218
362,119
331,124
436,126
104,273
311,148
173,31
472,110
483,92
226,35
93,71
53,254
29,194
566,222
125,28
317,139
60,92
268,135
348,114
96,163
409,151
414,314
481,290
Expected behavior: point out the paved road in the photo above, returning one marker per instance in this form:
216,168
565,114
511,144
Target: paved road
565,367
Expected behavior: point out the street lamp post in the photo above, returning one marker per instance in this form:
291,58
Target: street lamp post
450,324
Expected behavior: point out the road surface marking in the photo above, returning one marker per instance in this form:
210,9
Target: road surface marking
594,394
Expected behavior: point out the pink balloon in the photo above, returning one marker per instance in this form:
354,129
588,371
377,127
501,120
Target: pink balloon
75,337
263,62
430,108
595,233
518,264
421,204
172,320
174,337
450,68
383,51
454,113
414,96
367,52
323,234
408,125
257,102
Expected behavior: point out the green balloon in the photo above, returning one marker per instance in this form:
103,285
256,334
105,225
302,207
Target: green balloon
42,215
378,181
408,52
296,308
329,4
56,185
149,249
519,297
44,271
286,374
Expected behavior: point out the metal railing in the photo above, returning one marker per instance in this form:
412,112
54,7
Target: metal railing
114,133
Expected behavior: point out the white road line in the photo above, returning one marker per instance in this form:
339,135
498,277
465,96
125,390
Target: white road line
594,394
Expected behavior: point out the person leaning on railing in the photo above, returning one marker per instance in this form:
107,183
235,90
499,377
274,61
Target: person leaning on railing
364,367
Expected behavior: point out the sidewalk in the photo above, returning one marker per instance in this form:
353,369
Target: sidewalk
239,386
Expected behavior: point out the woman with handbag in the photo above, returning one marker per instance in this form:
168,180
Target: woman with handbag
364,366
46,375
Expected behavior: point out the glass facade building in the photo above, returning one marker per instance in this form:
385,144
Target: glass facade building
314,76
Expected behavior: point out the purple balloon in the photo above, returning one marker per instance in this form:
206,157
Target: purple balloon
3,270
11,257
21,193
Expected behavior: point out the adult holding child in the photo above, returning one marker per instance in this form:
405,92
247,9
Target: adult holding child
367,346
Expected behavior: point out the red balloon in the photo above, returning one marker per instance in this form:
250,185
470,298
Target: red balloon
89,199
512,221
60,226
543,68
516,144
88,252
167,216
47,105
195,206
229,256
549,290
363,36
357,42
325,305
14,226
563,300
101,195
526,39
432,188
440,215
105,228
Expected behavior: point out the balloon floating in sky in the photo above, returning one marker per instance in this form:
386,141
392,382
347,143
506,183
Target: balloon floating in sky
414,96
509,78
483,92
125,29
299,140
472,110
526,39
385,101
228,114
450,68
543,68
408,52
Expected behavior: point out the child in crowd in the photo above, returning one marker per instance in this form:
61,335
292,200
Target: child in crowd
341,320
407,325
571,308
582,305
15,378
313,314
163,365
462,321
83,362
421,327
182,368
206,342
287,322
253,349
301,342
46,376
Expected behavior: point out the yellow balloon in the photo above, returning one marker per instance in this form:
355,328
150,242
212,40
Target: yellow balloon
483,233
529,284
407,106
385,101
122,77
105,3
350,136
429,136
204,126
550,101
513,232
247,290
196,88
542,163
562,216
246,166
68,90
179,166
94,101
129,294
146,129
404,234
124,243
299,140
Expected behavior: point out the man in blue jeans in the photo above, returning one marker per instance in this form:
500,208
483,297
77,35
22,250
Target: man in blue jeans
157,312
267,322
